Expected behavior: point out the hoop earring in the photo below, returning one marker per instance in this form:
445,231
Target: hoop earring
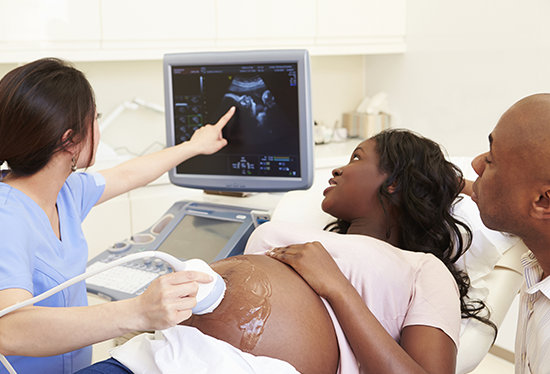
73,166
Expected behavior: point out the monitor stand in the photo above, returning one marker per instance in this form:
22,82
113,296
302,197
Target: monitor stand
228,193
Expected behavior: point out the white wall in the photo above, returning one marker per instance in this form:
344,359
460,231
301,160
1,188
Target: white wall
466,63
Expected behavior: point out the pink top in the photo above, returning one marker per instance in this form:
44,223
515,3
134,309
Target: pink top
401,288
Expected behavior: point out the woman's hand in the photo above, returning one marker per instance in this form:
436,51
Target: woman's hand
467,187
170,298
208,139
315,265
142,170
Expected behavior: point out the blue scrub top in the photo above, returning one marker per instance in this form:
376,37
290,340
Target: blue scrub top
34,259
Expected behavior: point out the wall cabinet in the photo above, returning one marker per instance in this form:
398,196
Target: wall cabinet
107,30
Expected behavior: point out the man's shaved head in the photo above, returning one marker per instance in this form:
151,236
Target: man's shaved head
513,187
525,130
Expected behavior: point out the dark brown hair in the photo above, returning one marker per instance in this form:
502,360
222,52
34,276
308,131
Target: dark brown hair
39,102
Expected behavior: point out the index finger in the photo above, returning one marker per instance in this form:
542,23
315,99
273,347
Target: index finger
226,117
187,276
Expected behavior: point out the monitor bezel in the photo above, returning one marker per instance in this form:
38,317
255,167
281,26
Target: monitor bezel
305,118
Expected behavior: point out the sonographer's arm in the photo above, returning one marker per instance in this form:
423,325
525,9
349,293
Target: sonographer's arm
42,331
143,170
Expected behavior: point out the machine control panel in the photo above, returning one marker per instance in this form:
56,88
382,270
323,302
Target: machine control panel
187,230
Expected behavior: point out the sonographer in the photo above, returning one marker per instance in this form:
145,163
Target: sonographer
48,130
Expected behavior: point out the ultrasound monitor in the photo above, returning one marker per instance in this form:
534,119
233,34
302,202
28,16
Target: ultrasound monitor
270,143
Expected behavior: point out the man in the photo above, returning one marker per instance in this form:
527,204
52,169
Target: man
513,195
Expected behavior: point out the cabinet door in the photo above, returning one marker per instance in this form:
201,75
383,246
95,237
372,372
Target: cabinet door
361,18
40,25
158,24
91,30
265,23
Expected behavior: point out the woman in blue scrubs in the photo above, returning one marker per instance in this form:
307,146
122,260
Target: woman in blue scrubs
48,130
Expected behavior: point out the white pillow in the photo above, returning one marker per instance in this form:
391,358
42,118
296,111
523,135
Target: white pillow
486,250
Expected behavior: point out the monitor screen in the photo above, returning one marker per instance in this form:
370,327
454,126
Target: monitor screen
270,145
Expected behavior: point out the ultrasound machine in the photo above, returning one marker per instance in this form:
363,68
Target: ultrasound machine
270,149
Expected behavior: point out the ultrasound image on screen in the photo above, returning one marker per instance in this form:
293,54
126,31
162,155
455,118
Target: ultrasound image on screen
263,135
260,119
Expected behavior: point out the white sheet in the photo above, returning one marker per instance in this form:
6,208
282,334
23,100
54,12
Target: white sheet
186,350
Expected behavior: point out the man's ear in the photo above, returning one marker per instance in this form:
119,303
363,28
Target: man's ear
541,206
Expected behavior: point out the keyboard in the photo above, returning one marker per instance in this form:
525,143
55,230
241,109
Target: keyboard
121,278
